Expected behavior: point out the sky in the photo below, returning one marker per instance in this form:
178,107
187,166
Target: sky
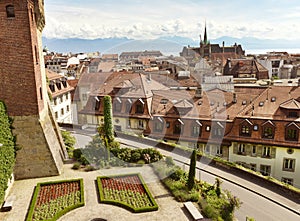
150,19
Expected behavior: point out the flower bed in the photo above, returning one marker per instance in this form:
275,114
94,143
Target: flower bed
128,191
52,200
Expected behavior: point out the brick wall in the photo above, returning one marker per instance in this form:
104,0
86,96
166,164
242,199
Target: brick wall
20,70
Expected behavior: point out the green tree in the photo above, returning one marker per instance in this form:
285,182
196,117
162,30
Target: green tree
108,124
106,131
192,170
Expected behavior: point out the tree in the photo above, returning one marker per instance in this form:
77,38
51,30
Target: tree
192,170
106,131
108,125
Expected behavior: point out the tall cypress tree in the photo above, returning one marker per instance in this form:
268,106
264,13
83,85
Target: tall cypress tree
192,170
108,124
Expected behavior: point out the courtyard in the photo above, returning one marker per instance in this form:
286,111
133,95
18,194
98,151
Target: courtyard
168,208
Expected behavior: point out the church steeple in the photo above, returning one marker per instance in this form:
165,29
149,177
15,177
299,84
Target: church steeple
205,35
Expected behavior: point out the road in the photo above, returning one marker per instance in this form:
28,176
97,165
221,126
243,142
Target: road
254,205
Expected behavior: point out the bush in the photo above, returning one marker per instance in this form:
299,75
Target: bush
7,150
76,166
77,154
177,173
90,168
135,156
69,142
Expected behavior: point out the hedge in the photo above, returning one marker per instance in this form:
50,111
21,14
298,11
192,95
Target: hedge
125,205
7,150
62,212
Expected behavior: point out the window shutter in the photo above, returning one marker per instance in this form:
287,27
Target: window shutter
273,152
259,151
235,148
248,149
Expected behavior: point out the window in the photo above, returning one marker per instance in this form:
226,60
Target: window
293,114
255,127
68,108
10,11
254,150
245,130
41,93
141,124
266,152
265,170
36,55
207,128
241,149
96,104
167,124
218,132
219,151
117,106
84,97
67,96
196,131
52,87
56,115
55,101
268,132
291,134
158,126
58,85
164,101
178,128
128,107
289,164
287,180
252,166
139,109
62,111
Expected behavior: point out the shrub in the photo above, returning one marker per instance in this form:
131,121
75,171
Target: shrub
90,168
7,150
76,166
69,142
135,156
77,154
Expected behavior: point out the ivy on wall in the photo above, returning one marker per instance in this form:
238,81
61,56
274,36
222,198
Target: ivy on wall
7,150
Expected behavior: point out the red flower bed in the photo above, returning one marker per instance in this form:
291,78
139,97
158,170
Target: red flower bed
53,191
128,191
132,183
53,199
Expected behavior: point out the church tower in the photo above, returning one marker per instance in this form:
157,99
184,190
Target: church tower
24,91
205,47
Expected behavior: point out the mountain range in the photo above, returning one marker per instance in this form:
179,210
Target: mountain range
167,45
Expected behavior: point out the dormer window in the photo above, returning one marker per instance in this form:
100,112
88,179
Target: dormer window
196,129
158,125
245,128
292,132
268,129
10,11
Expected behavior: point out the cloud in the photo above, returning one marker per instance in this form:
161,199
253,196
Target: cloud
151,19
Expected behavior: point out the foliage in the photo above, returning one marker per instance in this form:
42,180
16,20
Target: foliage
69,141
7,150
192,170
52,200
128,191
108,124
95,154
215,204
76,166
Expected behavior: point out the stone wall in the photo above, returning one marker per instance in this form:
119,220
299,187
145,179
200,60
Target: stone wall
40,153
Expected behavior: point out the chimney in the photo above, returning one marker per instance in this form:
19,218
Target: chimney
198,93
234,98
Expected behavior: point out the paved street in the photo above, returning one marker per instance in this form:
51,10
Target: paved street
254,205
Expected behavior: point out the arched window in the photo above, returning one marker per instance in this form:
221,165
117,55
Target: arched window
10,11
